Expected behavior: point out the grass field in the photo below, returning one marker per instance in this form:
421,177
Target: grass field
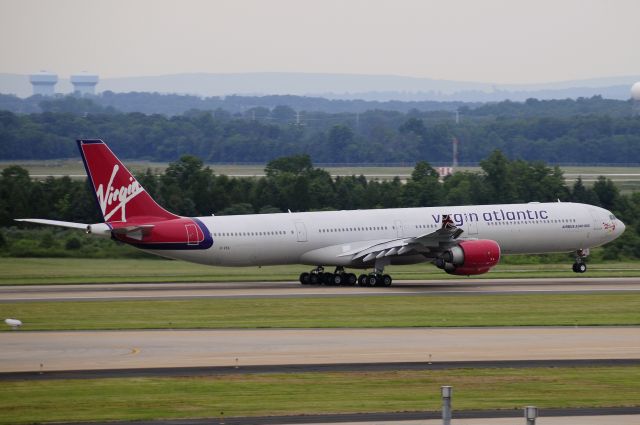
332,312
309,393
46,271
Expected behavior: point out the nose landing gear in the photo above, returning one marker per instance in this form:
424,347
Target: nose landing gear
580,266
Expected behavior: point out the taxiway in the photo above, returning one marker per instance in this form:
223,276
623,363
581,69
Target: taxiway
77,350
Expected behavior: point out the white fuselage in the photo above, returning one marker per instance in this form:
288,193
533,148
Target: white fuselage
319,238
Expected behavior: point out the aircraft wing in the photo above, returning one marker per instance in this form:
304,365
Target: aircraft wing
435,241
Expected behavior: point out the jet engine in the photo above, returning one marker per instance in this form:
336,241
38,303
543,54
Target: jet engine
470,257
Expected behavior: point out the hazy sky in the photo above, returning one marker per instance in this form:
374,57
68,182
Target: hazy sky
501,41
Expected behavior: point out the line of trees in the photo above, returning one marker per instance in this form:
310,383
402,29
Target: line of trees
190,188
581,132
175,104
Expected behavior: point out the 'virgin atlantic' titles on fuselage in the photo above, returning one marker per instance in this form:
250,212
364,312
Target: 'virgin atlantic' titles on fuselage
496,215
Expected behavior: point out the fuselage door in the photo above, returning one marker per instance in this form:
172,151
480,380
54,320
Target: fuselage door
399,228
301,231
192,234
472,227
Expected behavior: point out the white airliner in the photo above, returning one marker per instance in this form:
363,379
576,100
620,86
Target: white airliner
461,240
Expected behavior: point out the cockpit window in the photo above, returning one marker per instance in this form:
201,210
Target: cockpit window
612,217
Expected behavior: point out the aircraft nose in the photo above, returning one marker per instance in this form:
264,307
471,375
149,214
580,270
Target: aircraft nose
620,227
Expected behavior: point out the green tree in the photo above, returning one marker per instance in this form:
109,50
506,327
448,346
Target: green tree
15,190
534,181
238,209
607,192
283,114
415,126
73,243
186,187
340,138
580,193
464,188
423,189
295,164
499,179
149,181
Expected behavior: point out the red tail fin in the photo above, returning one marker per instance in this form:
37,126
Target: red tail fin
118,194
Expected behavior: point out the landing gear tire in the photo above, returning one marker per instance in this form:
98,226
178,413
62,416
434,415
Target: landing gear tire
340,278
579,267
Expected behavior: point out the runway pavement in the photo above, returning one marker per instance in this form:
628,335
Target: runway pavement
173,291
26,351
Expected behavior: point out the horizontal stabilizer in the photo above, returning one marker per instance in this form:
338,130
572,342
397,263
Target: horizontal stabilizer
69,224
99,229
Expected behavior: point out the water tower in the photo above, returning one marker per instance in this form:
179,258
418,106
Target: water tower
43,83
84,84
635,98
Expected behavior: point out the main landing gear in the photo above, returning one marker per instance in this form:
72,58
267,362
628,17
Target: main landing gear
377,277
339,277
318,276
580,266
374,279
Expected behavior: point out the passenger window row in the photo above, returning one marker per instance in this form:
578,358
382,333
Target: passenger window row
271,233
352,229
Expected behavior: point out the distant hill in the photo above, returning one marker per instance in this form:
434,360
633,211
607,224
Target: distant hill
342,86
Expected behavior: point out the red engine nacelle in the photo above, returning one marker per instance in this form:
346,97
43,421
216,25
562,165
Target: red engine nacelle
470,257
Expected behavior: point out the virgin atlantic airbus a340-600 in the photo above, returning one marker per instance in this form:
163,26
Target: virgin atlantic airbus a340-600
461,240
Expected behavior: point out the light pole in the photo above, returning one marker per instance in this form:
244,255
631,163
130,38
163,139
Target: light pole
530,414
446,392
